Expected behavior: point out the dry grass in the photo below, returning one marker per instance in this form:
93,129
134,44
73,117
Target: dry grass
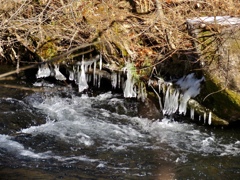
47,28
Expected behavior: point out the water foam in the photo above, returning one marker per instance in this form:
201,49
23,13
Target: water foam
78,122
89,125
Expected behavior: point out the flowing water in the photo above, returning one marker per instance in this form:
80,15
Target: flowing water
66,135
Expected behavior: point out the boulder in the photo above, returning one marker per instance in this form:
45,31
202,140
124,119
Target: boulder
217,42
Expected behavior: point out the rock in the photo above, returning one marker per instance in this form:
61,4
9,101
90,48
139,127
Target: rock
218,45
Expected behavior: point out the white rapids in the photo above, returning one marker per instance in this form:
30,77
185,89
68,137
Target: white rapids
81,121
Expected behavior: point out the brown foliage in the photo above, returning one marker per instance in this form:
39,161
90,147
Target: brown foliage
142,31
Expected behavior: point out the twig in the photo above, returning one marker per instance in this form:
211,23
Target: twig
23,88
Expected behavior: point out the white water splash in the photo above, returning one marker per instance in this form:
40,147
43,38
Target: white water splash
77,122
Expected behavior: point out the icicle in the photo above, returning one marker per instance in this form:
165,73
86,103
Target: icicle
114,80
99,81
58,74
163,87
82,82
192,114
204,118
71,75
89,78
43,71
210,118
142,93
160,83
119,80
129,89
183,104
75,73
166,102
94,73
100,62
171,101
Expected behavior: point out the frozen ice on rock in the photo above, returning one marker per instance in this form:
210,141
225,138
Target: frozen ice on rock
171,101
130,88
190,86
82,81
43,71
58,74
71,75
192,113
210,118
114,78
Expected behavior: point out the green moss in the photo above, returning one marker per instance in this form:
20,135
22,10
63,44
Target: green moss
48,49
234,43
223,102
208,45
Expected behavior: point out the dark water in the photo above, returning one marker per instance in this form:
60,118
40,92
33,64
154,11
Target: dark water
64,135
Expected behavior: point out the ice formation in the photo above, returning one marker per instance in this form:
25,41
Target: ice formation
94,73
171,101
71,75
100,62
176,98
43,71
190,87
99,81
130,88
210,118
204,118
192,113
82,81
142,92
119,80
114,79
58,74
81,77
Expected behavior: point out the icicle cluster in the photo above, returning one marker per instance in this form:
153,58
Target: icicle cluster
129,88
82,81
190,86
171,101
45,71
81,77
80,74
176,101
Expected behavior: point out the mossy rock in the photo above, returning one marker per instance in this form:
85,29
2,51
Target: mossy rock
222,101
219,50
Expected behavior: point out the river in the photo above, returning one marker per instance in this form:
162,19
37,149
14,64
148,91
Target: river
67,135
